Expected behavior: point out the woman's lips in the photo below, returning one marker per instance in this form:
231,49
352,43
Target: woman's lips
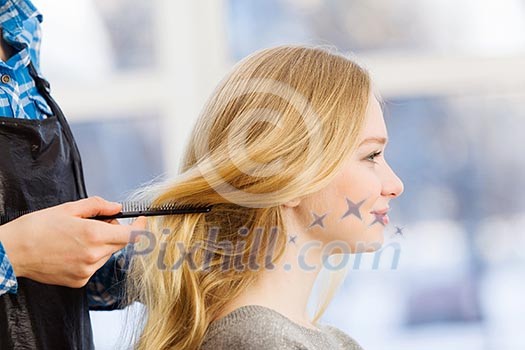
382,218
382,211
381,215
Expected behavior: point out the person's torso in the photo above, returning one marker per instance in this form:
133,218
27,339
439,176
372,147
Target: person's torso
39,167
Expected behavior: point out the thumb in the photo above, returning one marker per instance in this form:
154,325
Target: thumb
139,225
93,206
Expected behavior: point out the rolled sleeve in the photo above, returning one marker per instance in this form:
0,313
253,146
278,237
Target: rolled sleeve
8,283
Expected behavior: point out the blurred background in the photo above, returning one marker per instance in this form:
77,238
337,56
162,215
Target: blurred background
133,75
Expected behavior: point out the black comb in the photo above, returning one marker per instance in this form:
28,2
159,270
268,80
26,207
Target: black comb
129,210
134,209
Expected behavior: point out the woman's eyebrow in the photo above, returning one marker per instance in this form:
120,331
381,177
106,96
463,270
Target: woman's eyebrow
376,139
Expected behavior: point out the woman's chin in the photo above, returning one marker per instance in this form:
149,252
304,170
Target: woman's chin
371,241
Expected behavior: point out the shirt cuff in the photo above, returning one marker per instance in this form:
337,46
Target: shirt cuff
8,283
105,289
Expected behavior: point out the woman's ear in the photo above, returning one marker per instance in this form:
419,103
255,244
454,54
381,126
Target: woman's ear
293,203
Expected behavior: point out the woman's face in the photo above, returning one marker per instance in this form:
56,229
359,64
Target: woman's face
344,209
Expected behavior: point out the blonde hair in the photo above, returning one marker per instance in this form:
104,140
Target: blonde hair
278,127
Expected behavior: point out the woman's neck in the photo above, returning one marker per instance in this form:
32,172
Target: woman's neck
287,287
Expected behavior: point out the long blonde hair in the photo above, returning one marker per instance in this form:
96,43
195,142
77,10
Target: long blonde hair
278,127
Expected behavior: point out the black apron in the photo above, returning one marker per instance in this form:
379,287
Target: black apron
40,167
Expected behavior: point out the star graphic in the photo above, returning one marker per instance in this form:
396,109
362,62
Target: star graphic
399,231
292,239
379,219
352,209
318,220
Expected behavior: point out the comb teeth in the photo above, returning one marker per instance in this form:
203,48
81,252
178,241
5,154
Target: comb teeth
143,206
134,206
168,206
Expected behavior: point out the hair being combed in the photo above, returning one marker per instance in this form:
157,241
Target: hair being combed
278,127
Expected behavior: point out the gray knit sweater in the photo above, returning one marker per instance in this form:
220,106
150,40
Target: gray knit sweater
256,327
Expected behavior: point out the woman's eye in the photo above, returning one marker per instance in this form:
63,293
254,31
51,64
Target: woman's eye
373,156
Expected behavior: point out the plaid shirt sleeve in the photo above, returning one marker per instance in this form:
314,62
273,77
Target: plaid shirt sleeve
8,282
19,97
106,288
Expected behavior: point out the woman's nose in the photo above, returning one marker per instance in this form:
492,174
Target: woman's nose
392,184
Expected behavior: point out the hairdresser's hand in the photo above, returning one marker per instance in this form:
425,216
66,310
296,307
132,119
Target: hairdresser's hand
60,246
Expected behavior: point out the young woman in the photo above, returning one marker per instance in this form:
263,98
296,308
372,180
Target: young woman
288,152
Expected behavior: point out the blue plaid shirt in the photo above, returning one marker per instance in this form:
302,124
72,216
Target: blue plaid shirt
19,98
